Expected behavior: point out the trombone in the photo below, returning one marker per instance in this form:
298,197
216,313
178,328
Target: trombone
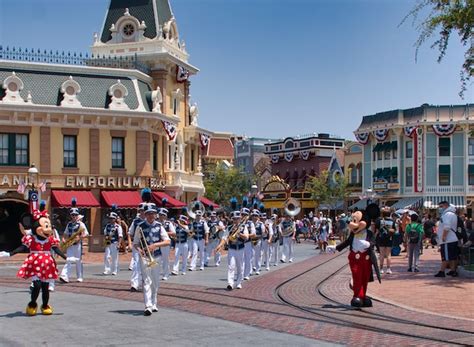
150,261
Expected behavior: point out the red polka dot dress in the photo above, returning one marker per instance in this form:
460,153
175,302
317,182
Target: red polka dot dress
39,264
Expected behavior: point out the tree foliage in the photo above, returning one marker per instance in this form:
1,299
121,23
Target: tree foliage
444,18
225,183
328,190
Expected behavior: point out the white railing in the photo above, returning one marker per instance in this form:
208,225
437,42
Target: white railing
445,189
181,177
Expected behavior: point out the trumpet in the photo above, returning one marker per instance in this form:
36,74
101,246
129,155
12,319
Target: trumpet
150,261
235,231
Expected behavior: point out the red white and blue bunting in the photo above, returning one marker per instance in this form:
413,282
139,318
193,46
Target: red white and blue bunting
408,131
444,129
289,157
170,130
275,158
362,138
305,154
182,74
204,139
381,134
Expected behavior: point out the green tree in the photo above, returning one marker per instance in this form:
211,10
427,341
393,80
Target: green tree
327,190
226,183
443,18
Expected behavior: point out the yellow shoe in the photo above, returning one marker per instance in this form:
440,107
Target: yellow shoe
48,310
31,310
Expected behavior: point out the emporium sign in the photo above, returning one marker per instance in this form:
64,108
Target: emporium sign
113,182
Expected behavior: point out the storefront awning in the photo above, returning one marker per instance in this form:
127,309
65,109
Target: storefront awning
121,198
408,203
208,202
359,205
63,198
433,201
172,202
337,206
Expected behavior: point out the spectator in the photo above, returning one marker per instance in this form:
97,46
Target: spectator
323,236
404,221
414,234
385,229
447,239
342,225
428,228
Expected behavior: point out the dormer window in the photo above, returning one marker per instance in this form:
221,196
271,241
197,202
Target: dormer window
118,92
70,88
13,85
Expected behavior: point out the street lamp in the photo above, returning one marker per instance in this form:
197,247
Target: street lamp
253,189
33,198
33,174
369,195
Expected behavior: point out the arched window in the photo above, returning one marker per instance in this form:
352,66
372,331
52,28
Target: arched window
359,173
353,174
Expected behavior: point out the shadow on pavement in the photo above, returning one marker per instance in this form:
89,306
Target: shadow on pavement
23,315
129,312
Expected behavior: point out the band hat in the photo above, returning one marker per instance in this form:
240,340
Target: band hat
163,211
236,214
141,207
74,211
263,215
184,219
213,214
274,216
199,213
112,215
150,208
256,213
245,211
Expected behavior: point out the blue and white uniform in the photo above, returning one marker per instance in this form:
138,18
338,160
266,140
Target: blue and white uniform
74,251
201,229
181,248
248,251
287,254
136,278
214,240
165,251
113,233
257,247
235,258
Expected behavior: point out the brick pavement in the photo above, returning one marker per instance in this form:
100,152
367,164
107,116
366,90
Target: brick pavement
256,304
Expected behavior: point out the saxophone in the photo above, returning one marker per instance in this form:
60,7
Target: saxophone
71,240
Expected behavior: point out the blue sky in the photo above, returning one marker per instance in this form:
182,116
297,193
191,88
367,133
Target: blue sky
274,68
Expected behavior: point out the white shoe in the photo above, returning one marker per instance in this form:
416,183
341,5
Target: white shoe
114,274
246,278
254,268
183,273
381,272
218,264
201,268
154,309
51,289
267,268
389,271
165,278
257,272
239,286
80,280
291,260
105,273
174,273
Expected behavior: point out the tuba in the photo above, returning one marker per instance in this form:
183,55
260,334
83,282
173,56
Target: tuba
193,207
292,207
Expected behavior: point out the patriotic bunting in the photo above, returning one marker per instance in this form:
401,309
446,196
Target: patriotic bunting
204,139
289,157
275,158
444,129
408,131
381,134
182,74
362,138
170,129
305,154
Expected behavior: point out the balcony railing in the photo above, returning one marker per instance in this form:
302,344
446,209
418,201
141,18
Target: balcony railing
445,189
72,58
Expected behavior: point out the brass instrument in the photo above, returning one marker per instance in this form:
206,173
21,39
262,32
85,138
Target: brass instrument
213,231
292,207
194,206
235,231
107,240
150,261
288,231
71,240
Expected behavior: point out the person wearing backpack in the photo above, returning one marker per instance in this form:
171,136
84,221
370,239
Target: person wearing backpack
414,234
385,228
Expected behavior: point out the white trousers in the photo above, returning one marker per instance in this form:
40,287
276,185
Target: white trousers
151,282
136,279
111,258
235,259
75,251
275,252
287,249
257,255
209,249
165,261
198,246
180,250
248,256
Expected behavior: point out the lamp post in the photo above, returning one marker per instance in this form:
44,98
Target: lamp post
33,197
369,194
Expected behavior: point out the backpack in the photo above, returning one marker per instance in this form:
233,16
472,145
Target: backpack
414,233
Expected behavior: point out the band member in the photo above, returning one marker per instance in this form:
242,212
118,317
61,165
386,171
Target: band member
181,245
113,235
275,241
257,242
360,262
248,250
149,237
122,245
216,229
136,278
235,236
200,240
77,229
266,241
39,266
288,230
165,251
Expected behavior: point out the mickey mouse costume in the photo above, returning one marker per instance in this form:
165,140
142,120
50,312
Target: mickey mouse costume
40,266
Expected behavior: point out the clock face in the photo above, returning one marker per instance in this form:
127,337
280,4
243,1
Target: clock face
128,30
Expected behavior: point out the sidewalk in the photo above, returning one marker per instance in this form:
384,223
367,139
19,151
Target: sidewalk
422,291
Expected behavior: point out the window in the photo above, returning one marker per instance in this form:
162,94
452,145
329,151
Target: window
444,146
192,160
175,106
359,173
471,146
444,175
409,177
471,175
70,151
353,178
409,149
14,149
155,155
379,155
118,150
387,154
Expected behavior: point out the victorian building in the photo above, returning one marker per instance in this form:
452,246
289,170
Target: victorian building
418,157
100,127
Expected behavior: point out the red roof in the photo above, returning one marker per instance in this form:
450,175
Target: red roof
63,198
220,148
121,198
208,202
172,202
